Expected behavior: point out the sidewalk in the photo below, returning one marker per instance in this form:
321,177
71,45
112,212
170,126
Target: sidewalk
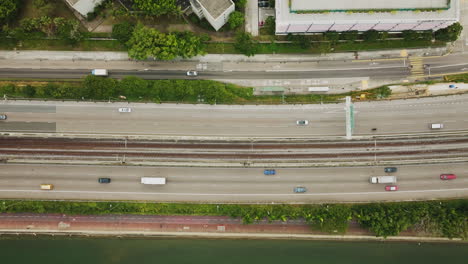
276,58
189,226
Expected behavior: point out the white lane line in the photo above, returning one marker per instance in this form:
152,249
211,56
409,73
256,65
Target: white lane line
240,194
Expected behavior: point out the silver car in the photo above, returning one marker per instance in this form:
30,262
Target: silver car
192,73
3,117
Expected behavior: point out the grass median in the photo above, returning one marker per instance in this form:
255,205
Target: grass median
134,89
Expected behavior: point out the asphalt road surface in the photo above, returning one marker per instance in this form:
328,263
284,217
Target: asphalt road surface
224,185
279,121
376,73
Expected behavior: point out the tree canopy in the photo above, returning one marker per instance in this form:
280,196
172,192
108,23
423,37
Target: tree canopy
246,44
8,10
148,42
236,19
157,7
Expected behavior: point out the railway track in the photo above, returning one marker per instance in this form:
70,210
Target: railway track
395,149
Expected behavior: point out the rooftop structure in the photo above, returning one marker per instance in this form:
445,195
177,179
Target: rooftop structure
215,11
84,6
304,16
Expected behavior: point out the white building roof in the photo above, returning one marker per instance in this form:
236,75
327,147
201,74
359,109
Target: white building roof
84,6
366,4
216,7
285,16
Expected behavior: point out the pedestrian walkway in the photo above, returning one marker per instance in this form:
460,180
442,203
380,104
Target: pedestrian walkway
417,68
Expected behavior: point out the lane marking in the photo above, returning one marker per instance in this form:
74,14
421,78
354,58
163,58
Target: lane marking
239,194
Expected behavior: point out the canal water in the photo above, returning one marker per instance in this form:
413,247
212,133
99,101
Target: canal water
50,250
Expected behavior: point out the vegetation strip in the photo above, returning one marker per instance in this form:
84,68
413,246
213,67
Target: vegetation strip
184,91
433,218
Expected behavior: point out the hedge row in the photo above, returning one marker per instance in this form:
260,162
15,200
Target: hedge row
439,218
133,89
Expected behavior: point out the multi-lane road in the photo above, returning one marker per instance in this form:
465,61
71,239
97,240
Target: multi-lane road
223,185
380,69
279,121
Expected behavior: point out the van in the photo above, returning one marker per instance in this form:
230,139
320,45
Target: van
99,72
436,126
47,186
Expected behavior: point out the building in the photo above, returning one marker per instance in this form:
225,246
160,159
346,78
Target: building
216,12
84,6
305,16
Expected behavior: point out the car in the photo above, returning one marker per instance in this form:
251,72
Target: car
390,169
263,4
302,122
3,117
269,172
436,126
391,188
125,110
104,180
192,73
448,176
47,187
300,189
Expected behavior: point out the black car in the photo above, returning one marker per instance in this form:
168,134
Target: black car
263,4
390,169
104,180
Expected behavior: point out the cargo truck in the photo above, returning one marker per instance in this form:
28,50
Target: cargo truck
383,179
153,180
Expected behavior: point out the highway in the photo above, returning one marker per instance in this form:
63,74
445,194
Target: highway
278,121
224,185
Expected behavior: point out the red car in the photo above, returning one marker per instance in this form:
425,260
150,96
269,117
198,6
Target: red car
391,188
448,177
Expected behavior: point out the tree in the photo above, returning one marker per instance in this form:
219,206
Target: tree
270,25
450,33
236,19
383,35
240,4
8,10
332,36
272,3
123,31
68,29
302,41
148,42
157,7
410,35
246,44
370,35
350,36
427,35
43,8
190,45
96,87
133,87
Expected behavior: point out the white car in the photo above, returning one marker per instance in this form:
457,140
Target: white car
125,110
302,122
192,73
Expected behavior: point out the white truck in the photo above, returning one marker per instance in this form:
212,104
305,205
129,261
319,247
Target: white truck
99,72
383,179
153,180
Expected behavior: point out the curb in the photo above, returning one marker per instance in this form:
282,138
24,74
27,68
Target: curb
119,234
